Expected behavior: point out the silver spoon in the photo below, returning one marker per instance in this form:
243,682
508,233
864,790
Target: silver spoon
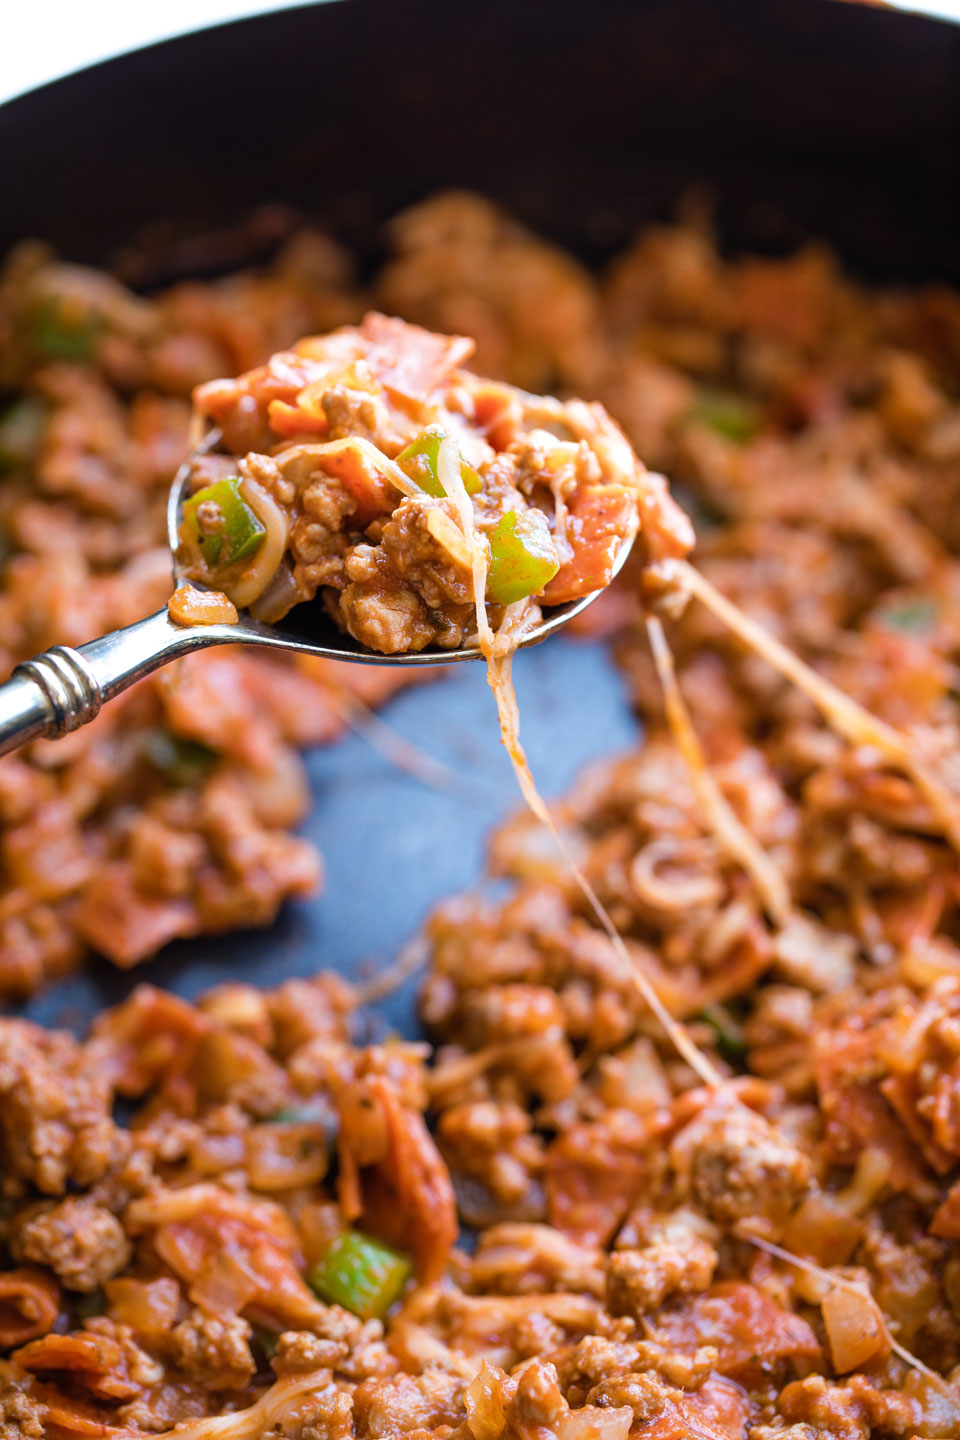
63,688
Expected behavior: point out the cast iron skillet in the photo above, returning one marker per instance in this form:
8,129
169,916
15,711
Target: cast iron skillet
802,118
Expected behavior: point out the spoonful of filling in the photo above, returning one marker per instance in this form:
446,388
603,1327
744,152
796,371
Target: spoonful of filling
326,480
363,497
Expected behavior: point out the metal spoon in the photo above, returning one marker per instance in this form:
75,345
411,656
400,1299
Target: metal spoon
63,688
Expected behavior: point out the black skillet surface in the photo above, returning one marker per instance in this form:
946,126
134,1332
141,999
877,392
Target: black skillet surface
800,117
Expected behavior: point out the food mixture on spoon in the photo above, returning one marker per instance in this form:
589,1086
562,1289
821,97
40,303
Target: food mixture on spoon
369,466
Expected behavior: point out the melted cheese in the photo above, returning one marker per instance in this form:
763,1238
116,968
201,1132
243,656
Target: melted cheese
726,825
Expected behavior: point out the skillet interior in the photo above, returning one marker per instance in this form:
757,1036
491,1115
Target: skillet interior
812,119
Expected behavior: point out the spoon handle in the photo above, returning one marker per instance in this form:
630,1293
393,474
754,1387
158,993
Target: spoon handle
64,688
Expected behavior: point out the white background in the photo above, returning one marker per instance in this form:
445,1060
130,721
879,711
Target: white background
47,38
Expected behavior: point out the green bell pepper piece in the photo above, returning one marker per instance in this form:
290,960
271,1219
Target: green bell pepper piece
912,617
306,1114
522,556
266,1339
361,1274
733,416
61,329
728,1032
240,534
86,1307
21,431
179,760
419,462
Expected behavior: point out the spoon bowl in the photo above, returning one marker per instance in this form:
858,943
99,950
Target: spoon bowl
66,687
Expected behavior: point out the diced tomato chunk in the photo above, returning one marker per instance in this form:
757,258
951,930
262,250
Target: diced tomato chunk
409,361
358,474
601,518
747,1328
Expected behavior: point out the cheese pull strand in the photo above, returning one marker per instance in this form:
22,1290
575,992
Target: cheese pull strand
732,834
498,650
501,682
840,1282
844,715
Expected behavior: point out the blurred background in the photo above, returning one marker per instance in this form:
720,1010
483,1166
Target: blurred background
52,37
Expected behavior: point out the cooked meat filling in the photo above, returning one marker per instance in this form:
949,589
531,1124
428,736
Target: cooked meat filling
543,1222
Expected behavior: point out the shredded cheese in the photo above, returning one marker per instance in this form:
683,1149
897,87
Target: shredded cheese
726,825
377,459
262,1418
447,533
560,515
412,958
840,1282
844,715
395,748
448,473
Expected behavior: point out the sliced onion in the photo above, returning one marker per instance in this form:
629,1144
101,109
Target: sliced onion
280,596
483,1401
29,1305
449,536
266,562
855,1329
677,874
594,1423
